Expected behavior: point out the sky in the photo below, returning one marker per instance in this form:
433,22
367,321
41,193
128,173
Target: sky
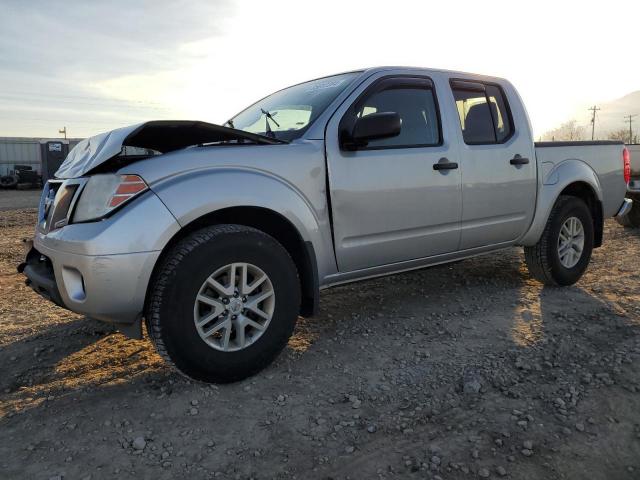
96,66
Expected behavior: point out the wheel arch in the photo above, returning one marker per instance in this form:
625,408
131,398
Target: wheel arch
571,177
272,223
586,193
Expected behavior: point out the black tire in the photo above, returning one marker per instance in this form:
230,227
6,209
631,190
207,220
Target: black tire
543,260
169,313
8,181
631,219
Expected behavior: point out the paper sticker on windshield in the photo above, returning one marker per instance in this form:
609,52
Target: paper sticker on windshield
323,85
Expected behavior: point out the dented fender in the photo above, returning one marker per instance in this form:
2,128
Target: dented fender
197,193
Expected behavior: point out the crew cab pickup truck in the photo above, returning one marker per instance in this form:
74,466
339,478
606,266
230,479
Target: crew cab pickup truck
220,236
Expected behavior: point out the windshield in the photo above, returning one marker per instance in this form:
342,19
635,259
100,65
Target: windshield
287,114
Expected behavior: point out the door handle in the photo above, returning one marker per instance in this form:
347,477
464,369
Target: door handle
518,160
445,164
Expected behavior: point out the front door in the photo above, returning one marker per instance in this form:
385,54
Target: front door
398,198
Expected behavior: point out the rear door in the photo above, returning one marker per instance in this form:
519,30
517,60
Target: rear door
498,164
389,203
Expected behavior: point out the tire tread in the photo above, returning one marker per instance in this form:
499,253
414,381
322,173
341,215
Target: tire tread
167,272
537,256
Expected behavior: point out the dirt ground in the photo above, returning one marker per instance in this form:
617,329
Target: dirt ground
471,370
12,199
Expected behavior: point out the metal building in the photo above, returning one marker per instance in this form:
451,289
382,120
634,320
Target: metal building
44,155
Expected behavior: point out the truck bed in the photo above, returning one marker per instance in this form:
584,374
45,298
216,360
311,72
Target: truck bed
603,156
577,143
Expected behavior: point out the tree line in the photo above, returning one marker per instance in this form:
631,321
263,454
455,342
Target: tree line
572,131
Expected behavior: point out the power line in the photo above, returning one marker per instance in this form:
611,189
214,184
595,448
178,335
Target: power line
629,118
594,109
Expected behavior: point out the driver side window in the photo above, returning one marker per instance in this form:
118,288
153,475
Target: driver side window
418,113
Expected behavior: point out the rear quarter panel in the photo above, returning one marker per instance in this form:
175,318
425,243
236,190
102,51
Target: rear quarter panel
599,166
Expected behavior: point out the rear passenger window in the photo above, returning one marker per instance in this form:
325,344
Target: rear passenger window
483,112
501,119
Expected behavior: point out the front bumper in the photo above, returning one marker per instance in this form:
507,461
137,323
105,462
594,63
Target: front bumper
101,269
110,288
40,277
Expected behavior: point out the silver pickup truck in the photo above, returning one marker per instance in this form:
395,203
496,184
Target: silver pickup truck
219,237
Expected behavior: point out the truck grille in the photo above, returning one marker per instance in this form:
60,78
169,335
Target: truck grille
56,202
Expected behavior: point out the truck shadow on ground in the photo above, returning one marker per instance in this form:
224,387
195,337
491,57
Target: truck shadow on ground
69,356
568,316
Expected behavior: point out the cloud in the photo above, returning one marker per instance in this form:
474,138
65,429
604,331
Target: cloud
104,64
102,39
56,55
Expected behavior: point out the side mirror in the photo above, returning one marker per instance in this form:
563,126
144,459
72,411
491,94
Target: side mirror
374,126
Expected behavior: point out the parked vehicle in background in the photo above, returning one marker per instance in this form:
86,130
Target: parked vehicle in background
632,219
226,235
22,176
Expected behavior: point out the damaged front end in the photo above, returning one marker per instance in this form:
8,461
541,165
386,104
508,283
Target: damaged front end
82,260
108,151
40,276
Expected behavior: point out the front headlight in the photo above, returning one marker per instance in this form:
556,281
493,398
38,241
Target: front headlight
104,193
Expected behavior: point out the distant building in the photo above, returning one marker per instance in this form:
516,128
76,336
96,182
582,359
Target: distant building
43,155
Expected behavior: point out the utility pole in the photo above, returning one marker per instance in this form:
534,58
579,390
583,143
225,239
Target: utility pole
629,118
593,109
64,130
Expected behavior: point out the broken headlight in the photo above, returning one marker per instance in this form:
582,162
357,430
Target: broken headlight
105,193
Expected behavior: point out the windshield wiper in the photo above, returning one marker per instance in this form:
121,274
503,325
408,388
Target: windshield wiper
229,122
267,117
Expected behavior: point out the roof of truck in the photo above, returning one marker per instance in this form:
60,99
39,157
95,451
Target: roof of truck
383,68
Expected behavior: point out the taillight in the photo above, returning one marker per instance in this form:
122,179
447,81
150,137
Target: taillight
626,162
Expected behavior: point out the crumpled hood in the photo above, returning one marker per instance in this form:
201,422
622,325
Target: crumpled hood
159,135
93,151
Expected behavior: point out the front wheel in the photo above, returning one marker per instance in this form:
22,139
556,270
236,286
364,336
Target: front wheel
563,252
224,303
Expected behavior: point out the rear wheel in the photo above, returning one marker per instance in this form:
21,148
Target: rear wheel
224,303
563,252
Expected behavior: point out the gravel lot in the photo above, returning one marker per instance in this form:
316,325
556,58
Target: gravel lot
12,199
465,371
